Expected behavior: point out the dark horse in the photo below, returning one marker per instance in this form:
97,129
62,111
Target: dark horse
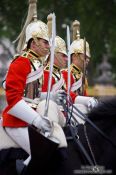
72,160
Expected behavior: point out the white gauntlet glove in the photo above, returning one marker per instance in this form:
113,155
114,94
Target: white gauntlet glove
43,123
24,112
57,96
93,102
89,102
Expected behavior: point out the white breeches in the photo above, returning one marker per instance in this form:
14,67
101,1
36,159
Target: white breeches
20,136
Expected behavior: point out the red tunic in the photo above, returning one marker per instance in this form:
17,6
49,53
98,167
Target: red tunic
72,80
45,81
65,76
15,86
54,81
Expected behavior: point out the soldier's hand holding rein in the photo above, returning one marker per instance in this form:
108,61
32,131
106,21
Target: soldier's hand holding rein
57,96
93,102
43,124
60,97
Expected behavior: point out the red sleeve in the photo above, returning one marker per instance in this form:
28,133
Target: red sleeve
45,81
16,80
65,76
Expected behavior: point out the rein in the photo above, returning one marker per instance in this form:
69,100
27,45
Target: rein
83,116
74,130
74,134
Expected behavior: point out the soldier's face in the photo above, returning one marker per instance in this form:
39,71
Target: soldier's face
60,60
78,60
83,58
82,61
41,47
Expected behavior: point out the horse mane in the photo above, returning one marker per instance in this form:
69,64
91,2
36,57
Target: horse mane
105,109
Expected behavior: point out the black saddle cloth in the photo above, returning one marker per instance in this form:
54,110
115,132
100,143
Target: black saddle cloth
59,161
11,154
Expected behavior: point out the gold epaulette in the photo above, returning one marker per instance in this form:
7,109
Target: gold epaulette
56,72
31,55
55,68
74,69
76,72
24,54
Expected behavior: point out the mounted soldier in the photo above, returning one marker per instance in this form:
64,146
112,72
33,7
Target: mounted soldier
58,85
18,114
60,61
24,81
80,55
77,60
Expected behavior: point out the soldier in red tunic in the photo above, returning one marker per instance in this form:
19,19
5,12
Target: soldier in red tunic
60,61
58,83
24,81
78,60
18,114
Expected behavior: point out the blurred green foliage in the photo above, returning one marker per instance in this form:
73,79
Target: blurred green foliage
97,18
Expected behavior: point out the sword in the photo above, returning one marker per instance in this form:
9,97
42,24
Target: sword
69,60
84,67
51,63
